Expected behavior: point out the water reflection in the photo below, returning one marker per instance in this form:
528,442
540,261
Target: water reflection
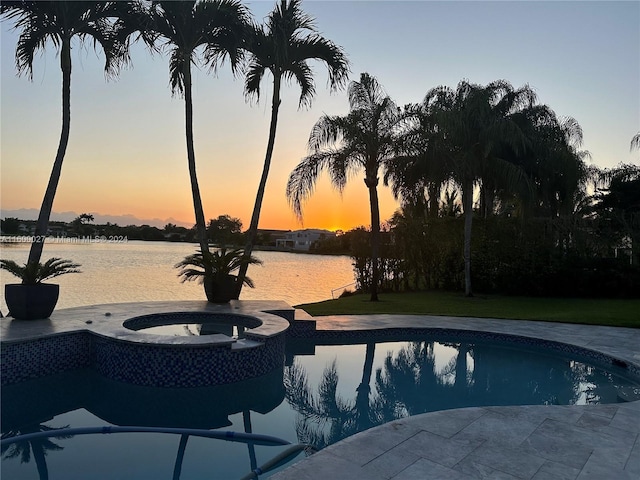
38,447
130,405
122,272
326,417
331,392
409,382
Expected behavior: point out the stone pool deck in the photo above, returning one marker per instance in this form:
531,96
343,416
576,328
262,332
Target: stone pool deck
598,442
518,442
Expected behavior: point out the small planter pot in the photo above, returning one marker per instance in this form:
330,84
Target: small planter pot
221,289
31,302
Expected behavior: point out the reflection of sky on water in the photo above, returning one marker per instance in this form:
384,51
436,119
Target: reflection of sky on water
144,271
404,378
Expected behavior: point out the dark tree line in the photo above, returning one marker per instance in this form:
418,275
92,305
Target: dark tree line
494,191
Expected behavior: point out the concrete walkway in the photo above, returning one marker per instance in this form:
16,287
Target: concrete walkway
599,442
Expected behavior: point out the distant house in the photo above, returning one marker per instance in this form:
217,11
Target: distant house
301,240
27,227
270,237
59,230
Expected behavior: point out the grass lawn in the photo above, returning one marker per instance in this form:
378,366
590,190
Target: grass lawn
612,312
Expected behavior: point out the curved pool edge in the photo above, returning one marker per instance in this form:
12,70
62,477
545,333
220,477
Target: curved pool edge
537,441
620,343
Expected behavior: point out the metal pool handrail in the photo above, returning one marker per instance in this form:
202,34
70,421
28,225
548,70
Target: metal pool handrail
254,438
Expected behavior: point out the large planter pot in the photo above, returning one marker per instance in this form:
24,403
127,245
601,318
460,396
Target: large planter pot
220,289
31,302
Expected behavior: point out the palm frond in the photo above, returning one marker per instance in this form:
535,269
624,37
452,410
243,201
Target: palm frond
253,76
177,60
301,183
285,45
220,263
304,78
43,22
32,273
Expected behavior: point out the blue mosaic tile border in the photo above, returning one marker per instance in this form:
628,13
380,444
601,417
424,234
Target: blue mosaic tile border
149,364
186,366
203,365
45,356
302,329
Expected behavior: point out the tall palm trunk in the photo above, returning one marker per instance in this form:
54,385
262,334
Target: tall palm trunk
460,383
201,227
246,420
467,202
363,390
182,447
39,457
42,226
434,199
372,184
252,233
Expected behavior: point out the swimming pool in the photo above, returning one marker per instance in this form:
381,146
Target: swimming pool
328,389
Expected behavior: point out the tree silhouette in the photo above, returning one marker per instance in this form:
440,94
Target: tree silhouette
327,417
199,32
363,140
41,22
284,47
475,123
37,446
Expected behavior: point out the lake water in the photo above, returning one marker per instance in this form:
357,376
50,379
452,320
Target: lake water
144,271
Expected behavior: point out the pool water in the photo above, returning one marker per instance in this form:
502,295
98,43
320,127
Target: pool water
324,394
192,329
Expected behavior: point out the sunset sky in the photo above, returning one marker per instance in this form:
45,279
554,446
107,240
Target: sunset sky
127,154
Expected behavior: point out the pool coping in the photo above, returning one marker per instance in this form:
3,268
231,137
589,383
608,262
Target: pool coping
526,442
107,320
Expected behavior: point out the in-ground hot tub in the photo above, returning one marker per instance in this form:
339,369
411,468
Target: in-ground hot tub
187,324
206,353
225,343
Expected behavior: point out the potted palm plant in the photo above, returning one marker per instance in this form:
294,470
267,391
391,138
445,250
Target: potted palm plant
32,299
215,270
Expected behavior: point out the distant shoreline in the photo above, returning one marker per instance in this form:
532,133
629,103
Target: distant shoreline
98,239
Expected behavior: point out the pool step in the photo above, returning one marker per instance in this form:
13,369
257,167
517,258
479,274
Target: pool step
303,325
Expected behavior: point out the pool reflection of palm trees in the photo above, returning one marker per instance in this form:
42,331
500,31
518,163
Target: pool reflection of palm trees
199,408
327,417
409,383
37,446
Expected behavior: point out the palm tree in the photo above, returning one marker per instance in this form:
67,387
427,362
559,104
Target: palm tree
619,203
552,160
42,22
204,32
363,140
635,141
476,123
284,47
421,165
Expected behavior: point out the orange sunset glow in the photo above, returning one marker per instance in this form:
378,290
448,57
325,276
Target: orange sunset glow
126,155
